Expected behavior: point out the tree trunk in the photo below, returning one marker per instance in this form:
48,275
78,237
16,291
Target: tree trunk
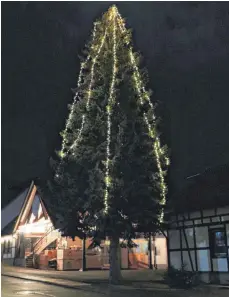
150,252
115,261
84,254
155,253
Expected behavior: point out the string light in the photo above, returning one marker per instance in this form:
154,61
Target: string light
152,131
89,93
62,154
113,15
156,144
79,82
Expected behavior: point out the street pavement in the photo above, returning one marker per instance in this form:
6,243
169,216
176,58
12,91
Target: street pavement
90,276
131,278
30,282
12,287
15,287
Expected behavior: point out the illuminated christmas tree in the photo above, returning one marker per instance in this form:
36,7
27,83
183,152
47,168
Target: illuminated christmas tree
110,180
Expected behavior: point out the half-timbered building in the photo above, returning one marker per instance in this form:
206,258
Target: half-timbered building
198,235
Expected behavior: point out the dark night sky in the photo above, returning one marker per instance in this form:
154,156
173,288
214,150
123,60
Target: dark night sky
185,48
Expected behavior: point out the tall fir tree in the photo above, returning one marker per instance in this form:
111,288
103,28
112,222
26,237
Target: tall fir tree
110,177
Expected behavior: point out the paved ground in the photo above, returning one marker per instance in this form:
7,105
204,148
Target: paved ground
91,276
136,278
13,287
29,282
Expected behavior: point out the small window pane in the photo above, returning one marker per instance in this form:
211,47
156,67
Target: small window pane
4,247
8,247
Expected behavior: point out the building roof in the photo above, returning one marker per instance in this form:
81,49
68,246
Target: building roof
208,189
9,228
12,210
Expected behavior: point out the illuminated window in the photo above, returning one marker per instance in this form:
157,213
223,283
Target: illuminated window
7,247
4,247
218,243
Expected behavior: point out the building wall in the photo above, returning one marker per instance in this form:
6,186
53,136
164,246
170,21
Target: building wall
8,244
20,262
136,257
189,237
139,256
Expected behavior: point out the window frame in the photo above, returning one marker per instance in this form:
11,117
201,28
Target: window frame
212,243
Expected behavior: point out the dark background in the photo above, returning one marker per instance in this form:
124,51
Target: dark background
185,48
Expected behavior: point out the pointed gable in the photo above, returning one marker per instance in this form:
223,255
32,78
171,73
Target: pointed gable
37,211
32,210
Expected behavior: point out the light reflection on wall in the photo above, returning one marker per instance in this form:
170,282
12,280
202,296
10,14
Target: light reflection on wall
38,227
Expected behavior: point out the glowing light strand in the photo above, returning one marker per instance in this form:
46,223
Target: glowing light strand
89,93
156,145
79,82
109,111
88,99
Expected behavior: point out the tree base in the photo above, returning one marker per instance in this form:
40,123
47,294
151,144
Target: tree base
115,276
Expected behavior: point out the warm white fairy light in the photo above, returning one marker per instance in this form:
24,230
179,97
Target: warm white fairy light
79,82
152,131
62,154
89,92
79,133
113,15
156,145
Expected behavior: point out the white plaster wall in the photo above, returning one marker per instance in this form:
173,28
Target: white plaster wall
174,239
195,214
220,264
222,210
190,238
161,259
208,212
202,239
186,260
216,219
206,220
175,259
225,218
203,260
